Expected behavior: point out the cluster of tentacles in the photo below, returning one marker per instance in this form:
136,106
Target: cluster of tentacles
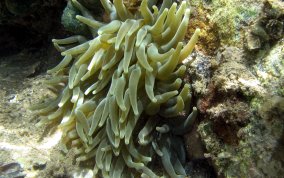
119,94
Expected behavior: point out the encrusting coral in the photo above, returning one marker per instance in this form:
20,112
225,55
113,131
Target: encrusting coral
120,93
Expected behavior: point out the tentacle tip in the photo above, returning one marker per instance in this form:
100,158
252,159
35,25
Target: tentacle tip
150,69
125,71
116,47
136,113
197,30
123,108
63,54
154,100
187,12
78,17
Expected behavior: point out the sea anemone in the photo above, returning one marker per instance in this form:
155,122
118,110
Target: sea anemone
121,93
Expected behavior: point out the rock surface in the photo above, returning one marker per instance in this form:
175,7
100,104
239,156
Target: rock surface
239,88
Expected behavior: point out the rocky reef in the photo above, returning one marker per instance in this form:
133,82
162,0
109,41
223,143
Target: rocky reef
239,87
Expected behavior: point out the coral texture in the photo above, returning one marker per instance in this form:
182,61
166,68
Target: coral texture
120,92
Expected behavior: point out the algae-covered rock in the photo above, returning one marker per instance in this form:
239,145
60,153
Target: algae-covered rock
266,29
229,17
270,70
242,111
240,89
70,22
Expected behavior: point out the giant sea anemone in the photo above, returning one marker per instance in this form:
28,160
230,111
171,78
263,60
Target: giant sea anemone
120,94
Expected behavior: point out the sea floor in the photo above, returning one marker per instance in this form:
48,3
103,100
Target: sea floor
27,150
